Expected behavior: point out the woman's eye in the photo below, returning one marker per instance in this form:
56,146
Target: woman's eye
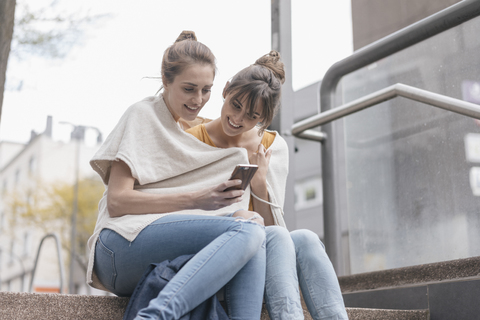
236,106
207,90
189,89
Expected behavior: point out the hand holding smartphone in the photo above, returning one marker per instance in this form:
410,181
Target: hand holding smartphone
243,172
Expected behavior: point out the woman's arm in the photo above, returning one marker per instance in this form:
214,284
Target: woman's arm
259,184
122,199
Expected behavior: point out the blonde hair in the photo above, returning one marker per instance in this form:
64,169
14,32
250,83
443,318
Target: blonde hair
184,52
260,83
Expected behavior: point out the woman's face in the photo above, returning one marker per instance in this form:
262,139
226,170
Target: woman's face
235,118
189,91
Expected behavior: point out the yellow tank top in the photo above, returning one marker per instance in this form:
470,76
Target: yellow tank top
201,134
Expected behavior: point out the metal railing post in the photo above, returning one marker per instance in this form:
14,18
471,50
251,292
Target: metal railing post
60,261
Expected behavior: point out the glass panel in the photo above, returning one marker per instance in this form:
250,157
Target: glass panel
413,170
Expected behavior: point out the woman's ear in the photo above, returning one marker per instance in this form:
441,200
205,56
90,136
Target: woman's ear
224,94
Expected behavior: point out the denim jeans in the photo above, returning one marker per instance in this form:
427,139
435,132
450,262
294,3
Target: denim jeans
228,252
301,253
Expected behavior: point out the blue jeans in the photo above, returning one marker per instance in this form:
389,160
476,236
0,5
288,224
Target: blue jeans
301,253
227,252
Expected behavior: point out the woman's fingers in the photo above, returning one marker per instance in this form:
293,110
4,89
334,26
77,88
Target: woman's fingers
228,184
258,156
261,149
232,194
268,154
229,194
214,198
230,201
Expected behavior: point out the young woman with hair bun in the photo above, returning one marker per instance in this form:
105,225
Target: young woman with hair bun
165,197
297,258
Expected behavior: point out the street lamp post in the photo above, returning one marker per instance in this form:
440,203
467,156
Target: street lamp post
78,134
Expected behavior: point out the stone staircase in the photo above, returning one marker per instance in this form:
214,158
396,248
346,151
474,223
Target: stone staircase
448,289
26,306
438,291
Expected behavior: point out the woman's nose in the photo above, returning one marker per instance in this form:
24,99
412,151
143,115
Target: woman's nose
238,118
197,99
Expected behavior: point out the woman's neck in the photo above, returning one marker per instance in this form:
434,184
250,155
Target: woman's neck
165,98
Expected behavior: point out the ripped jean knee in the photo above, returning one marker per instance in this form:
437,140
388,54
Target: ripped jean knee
242,218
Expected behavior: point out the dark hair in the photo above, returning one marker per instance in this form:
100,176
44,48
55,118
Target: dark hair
184,52
260,83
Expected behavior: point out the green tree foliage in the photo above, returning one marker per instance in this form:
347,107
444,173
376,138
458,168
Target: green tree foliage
49,207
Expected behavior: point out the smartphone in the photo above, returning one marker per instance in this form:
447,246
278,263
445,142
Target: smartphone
245,173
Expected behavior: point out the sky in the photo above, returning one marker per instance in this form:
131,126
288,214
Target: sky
109,69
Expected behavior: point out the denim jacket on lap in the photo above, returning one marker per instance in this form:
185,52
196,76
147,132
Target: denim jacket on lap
152,282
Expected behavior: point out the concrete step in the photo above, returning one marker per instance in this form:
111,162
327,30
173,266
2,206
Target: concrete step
26,306
448,289
414,275
50,306
384,314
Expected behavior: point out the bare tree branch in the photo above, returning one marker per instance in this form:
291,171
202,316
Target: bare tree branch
7,18
48,32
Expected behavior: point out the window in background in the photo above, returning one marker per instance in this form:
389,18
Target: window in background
308,193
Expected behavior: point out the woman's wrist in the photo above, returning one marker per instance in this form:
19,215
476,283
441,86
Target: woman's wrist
189,200
258,187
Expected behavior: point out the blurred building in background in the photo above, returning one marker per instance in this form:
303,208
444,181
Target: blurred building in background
27,172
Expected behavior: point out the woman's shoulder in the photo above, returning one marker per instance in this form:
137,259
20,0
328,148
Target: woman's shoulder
268,138
195,130
187,125
200,132
274,139
144,106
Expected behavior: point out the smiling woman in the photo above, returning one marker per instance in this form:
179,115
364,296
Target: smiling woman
259,85
187,74
252,98
166,196
236,116
189,92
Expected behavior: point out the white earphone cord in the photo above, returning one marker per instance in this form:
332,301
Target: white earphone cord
269,203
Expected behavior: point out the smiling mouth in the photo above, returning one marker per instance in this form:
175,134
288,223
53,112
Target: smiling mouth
192,108
232,124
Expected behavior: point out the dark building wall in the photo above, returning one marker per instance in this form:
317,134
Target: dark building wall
375,19
307,161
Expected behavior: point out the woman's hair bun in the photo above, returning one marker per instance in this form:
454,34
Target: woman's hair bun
186,35
273,62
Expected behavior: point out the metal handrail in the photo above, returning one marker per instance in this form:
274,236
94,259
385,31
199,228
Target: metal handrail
331,152
465,108
406,37
60,265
